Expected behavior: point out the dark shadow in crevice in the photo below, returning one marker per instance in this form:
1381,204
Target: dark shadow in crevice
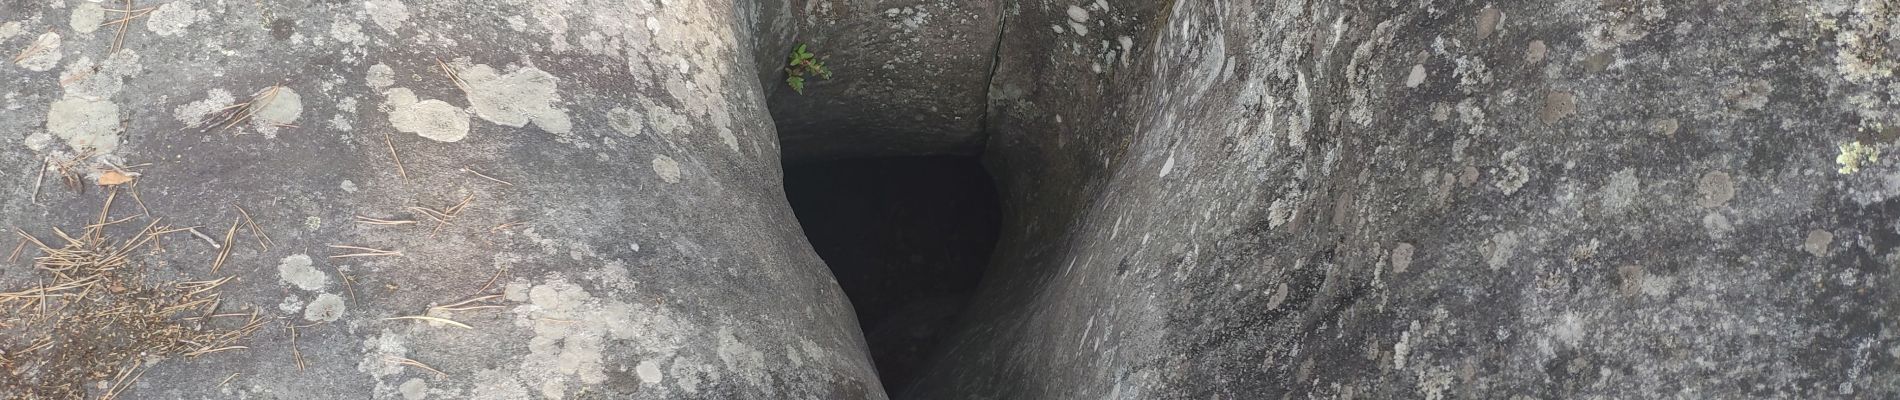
908,239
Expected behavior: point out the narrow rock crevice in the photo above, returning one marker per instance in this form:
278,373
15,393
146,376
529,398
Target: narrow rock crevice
907,238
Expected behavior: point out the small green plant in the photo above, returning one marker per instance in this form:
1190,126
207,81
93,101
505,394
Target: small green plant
801,64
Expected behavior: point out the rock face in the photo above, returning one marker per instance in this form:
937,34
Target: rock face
910,77
1294,199
1203,199
578,169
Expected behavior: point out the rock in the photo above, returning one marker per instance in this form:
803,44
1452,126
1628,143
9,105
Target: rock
1297,151
592,274
503,199
908,78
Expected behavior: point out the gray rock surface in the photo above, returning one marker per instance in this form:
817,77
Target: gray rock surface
910,78
1438,199
632,137
1203,199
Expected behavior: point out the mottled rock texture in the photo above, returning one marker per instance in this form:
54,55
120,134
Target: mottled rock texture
910,77
1439,199
641,244
1203,199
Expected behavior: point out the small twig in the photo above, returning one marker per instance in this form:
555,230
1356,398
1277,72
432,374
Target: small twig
224,252
194,232
492,280
16,251
295,354
485,176
135,198
122,383
243,112
375,221
414,363
209,351
453,76
28,52
387,141
432,319
364,252
118,39
227,379
263,240
96,233
463,305
40,180
349,283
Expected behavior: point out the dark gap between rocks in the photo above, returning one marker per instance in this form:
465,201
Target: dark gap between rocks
908,239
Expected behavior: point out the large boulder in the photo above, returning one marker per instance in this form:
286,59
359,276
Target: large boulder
1202,199
601,178
1450,199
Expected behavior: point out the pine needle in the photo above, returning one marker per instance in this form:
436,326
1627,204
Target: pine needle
364,252
432,319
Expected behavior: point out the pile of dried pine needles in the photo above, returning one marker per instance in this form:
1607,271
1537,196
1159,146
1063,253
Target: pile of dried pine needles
96,318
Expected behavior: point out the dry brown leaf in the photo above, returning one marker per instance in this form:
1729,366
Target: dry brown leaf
110,178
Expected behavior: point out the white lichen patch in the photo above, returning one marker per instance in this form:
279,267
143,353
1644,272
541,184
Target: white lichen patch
378,350
41,55
1557,107
83,79
1535,52
665,121
574,330
1511,175
380,76
522,96
1416,77
345,30
1717,225
275,109
85,123
86,17
291,305
496,384
1402,349
1817,242
433,119
1621,190
1078,14
666,168
173,18
10,29
1715,189
649,372
388,14
297,270
1862,53
195,113
414,389
326,308
624,121
1401,257
1500,249
741,358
